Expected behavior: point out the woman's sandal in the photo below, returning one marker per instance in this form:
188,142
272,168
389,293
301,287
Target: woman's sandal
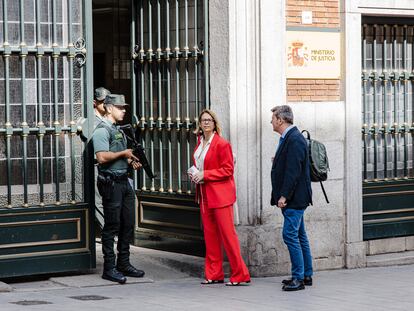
207,282
237,283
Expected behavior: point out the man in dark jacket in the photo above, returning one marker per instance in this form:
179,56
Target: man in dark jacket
292,193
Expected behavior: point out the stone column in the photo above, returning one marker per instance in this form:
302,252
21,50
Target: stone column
247,77
354,245
219,33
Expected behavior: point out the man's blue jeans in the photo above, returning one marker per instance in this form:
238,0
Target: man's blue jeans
296,240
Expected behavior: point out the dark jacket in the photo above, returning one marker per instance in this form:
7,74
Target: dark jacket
290,172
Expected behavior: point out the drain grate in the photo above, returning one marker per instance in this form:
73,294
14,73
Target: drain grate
89,297
31,302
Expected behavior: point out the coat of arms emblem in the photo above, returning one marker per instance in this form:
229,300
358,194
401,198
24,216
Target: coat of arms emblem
298,55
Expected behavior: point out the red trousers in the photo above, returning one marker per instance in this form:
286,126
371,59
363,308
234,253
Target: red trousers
219,230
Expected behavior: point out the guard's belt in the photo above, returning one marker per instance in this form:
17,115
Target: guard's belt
115,177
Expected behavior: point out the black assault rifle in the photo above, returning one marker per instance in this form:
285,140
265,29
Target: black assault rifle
132,136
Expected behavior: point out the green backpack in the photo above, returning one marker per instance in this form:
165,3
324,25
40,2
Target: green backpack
318,161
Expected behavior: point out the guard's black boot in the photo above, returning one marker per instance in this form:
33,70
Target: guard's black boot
130,270
114,275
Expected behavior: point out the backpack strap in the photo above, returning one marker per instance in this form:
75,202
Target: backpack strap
308,137
324,192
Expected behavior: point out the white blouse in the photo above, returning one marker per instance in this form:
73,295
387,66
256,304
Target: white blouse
200,153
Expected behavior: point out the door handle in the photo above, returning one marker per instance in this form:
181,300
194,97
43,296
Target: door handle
82,129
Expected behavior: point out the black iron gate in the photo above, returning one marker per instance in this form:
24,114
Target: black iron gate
45,215
388,127
169,42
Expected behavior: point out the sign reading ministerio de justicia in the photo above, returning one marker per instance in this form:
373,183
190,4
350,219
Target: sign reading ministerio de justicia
313,54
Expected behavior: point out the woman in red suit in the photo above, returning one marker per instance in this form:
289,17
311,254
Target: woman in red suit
216,193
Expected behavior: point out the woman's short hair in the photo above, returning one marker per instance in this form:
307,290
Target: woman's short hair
217,127
283,112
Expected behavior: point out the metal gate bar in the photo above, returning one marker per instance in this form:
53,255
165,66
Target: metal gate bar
168,119
177,83
8,128
365,131
24,123
197,63
159,96
39,107
187,104
394,78
70,59
384,86
56,123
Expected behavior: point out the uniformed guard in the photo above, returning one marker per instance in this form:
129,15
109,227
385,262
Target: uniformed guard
98,106
114,158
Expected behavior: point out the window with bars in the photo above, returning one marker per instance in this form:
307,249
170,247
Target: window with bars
171,87
40,97
387,97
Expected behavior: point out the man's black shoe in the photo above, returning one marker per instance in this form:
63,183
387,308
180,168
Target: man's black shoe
307,281
114,276
130,270
293,286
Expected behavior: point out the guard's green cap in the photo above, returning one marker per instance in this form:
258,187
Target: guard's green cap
101,92
115,99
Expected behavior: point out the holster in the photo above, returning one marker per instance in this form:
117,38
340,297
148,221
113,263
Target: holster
105,186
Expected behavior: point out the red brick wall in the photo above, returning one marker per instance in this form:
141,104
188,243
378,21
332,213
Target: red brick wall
325,14
312,90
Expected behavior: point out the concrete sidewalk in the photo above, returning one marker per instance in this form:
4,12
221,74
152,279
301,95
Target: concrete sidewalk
165,287
158,265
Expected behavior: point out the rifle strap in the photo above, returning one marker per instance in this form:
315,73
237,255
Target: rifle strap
324,192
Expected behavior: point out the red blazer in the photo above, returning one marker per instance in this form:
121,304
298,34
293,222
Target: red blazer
218,174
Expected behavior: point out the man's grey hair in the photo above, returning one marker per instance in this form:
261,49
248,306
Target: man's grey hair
284,113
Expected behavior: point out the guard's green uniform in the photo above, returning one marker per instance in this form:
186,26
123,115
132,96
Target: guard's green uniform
118,200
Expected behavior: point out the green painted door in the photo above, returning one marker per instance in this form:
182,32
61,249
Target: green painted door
388,127
45,82
170,86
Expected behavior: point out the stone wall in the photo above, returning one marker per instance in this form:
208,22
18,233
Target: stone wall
248,79
263,245
395,245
